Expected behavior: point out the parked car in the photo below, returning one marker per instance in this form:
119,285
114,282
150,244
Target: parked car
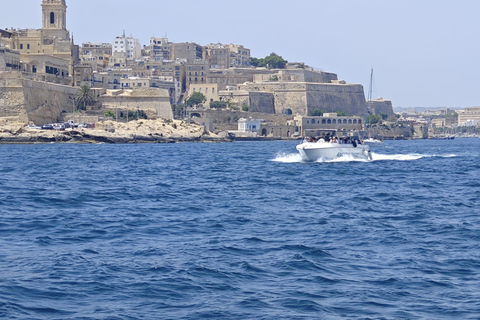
47,127
58,126
72,123
86,125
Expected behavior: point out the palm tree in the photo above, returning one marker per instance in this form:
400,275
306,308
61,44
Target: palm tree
84,97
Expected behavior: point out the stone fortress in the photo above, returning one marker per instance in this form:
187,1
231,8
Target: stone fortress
41,72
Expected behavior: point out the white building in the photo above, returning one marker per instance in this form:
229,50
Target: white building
252,125
129,46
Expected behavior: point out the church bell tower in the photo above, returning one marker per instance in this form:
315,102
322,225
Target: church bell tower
54,19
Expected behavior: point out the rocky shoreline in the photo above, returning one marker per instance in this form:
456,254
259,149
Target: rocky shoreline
141,131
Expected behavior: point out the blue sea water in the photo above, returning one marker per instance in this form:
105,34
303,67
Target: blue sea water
243,230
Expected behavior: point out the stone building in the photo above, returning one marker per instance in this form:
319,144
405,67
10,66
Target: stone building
96,55
224,56
469,115
380,106
300,92
345,125
48,52
9,60
196,72
154,102
159,49
186,51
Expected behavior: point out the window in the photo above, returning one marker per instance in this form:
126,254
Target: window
21,46
28,46
52,18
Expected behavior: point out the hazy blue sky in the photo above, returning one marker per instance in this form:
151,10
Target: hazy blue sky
424,52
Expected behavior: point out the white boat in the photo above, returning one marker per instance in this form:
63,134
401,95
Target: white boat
321,150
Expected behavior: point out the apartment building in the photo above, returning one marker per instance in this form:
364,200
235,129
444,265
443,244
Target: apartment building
128,46
224,56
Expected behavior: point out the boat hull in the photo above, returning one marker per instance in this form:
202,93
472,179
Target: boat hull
314,151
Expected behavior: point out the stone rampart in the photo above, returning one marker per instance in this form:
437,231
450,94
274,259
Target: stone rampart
381,107
45,102
301,98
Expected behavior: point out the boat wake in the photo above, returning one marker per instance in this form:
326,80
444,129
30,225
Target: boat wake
297,158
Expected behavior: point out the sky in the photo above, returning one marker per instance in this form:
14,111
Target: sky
424,53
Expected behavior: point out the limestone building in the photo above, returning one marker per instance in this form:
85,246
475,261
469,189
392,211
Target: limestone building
186,51
224,56
48,52
97,55
469,116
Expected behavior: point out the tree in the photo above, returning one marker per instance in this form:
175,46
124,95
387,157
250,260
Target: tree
178,110
84,97
316,113
218,104
272,61
195,99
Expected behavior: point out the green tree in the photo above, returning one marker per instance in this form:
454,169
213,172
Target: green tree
374,119
342,114
272,61
84,97
195,99
218,104
316,113
178,110
245,107
110,113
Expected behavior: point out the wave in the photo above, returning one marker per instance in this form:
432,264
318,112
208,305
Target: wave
297,158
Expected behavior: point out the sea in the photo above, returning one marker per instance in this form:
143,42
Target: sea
242,230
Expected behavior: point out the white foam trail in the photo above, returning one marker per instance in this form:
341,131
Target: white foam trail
396,157
297,158
288,158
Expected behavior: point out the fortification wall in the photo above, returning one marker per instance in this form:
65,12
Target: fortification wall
381,106
154,102
261,102
348,98
12,101
45,102
300,98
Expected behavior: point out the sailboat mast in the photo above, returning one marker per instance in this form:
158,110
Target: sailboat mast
370,91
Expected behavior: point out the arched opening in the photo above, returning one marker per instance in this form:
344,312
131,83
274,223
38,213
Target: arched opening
288,111
52,18
264,132
195,115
